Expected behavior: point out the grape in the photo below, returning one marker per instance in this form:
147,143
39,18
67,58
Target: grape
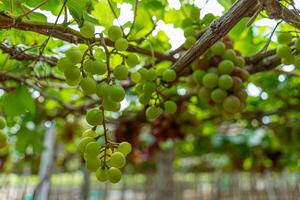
145,98
204,93
229,55
110,105
241,73
124,147
297,61
225,82
135,77
239,61
170,107
74,55
114,33
169,75
114,175
213,70
101,174
288,60
241,94
83,142
198,76
89,156
284,38
189,41
63,64
89,133
149,87
95,67
121,72
94,117
231,104
218,48
218,95
151,75
88,29
195,13
116,93
143,72
237,83
187,22
102,89
297,44
72,73
132,60
93,164
117,160
189,31
210,80
88,85
121,44
93,148
226,67
283,51
208,18
2,122
153,112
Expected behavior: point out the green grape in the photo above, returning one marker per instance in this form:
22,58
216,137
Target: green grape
231,104
101,174
93,164
169,75
170,107
143,72
110,105
145,98
151,75
117,160
284,38
114,175
239,61
74,55
63,64
210,80
89,156
88,29
218,48
225,82
153,112
116,93
187,22
189,31
189,41
297,44
149,87
83,142
2,122
241,94
226,67
125,148
88,85
89,133
198,76
121,44
229,55
93,148
208,18
102,89
195,13
95,67
132,60
120,72
114,33
218,95
135,77
72,73
213,70
94,117
288,60
204,93
283,51
74,82
108,154
297,61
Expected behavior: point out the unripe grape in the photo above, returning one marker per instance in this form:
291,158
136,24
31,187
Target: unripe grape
189,31
297,44
149,87
83,142
210,80
111,105
114,33
125,148
226,67
297,62
63,64
213,70
121,72
132,60
101,174
94,117
135,77
284,38
187,22
239,61
117,160
170,107
121,44
169,75
218,95
241,94
208,18
198,76
218,48
189,41
114,175
151,75
95,67
116,93
204,93
93,164
153,112
89,133
144,98
229,55
93,148
288,60
102,90
283,51
2,122
72,73
231,104
88,85
143,72
195,13
74,55
88,29
225,82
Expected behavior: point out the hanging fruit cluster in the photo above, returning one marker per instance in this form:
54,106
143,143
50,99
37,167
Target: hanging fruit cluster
284,51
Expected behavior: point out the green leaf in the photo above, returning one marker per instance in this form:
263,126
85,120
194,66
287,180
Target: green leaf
226,3
78,9
104,14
